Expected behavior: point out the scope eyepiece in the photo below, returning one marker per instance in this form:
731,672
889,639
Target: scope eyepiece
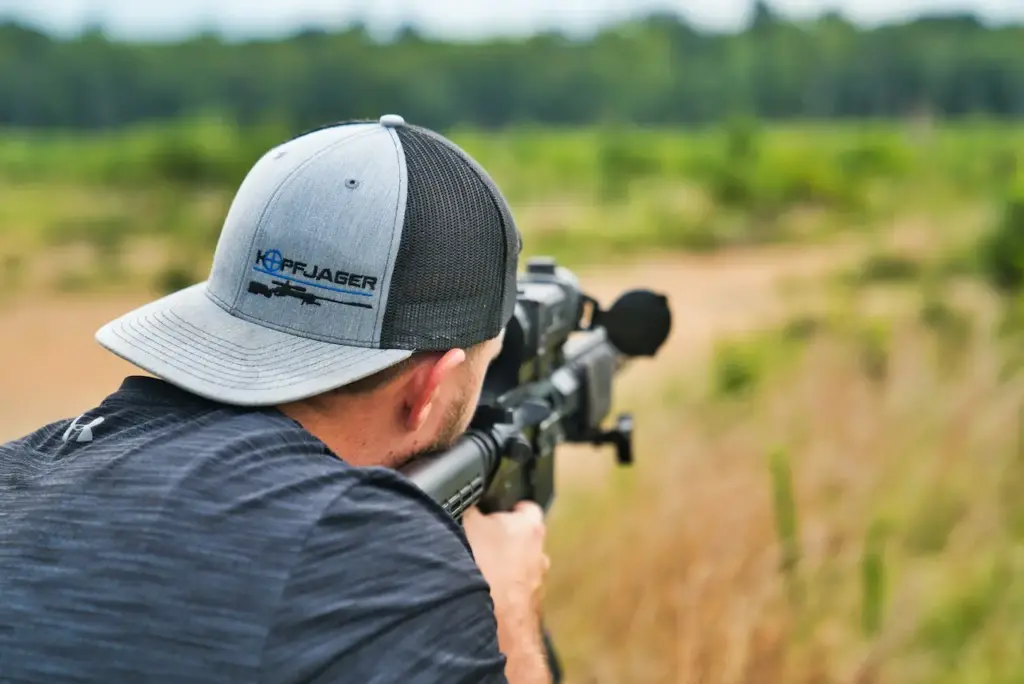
638,323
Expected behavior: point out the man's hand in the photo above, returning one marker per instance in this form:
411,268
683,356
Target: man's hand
509,549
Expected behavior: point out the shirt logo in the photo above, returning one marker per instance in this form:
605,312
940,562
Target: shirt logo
84,431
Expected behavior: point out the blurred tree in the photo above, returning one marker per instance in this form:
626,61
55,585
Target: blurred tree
656,70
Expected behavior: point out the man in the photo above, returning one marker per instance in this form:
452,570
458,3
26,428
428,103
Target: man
235,515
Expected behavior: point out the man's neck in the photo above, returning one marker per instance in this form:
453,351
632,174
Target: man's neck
354,428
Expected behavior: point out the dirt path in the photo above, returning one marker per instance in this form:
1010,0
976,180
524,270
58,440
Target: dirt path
53,368
710,297
714,295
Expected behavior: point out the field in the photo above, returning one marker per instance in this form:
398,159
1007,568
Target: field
830,461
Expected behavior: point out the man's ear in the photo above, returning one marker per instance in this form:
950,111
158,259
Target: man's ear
425,383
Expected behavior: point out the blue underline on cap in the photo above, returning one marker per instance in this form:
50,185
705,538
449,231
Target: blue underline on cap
277,274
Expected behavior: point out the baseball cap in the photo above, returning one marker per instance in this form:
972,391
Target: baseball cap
344,250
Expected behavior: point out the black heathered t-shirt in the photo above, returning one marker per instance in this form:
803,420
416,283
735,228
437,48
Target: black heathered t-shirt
179,540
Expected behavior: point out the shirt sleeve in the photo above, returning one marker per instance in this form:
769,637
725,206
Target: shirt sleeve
385,591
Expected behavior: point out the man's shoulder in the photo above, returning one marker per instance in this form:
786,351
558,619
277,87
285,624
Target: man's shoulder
202,468
390,509
385,588
269,447
196,451
143,424
234,466
382,536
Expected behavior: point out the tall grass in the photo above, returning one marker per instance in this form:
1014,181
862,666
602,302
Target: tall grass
825,525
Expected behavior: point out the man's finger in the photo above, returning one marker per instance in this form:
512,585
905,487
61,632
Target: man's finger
531,510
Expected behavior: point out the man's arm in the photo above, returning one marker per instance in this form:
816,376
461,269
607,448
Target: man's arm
509,549
386,591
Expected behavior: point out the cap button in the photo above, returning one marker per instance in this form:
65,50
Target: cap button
392,120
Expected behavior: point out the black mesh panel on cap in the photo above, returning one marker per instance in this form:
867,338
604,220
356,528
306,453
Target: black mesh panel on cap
457,259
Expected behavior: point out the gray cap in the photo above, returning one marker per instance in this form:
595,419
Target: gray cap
344,250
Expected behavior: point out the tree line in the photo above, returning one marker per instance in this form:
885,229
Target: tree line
658,70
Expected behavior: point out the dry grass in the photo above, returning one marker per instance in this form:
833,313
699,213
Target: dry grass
905,477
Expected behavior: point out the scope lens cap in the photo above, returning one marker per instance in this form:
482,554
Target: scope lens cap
638,323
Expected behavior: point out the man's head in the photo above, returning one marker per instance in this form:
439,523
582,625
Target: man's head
359,259
421,404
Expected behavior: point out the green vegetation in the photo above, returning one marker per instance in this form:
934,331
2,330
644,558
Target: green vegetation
878,541
108,210
1002,250
873,579
786,519
655,70
888,267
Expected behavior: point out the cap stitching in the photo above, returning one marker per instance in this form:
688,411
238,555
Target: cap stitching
218,301
219,356
193,364
277,191
377,323
240,353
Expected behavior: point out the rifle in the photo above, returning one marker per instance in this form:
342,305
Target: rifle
550,383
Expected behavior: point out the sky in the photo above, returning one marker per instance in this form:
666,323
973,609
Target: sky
459,19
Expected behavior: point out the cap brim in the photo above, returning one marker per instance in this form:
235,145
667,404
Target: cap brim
188,340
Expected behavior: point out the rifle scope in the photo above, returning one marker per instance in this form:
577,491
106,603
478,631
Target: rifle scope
551,383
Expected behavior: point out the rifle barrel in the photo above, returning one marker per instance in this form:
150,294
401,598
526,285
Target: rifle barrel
457,477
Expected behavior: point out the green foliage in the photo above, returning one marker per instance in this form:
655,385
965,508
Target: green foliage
175,277
11,269
652,70
73,281
872,566
1012,324
877,155
883,267
1002,250
795,175
104,233
741,365
951,326
743,140
939,316
1001,261
767,175
928,531
622,159
873,344
1011,486
784,506
583,195
958,619
802,328
737,368
186,159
